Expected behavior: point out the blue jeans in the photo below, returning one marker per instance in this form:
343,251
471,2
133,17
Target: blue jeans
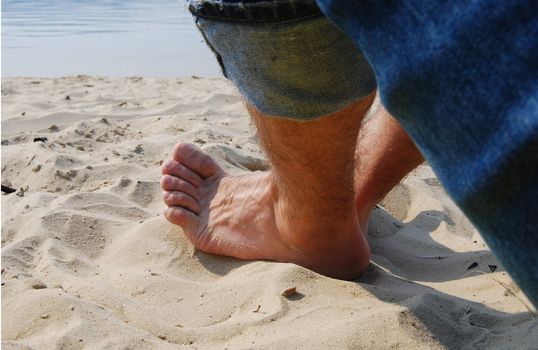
283,56
461,78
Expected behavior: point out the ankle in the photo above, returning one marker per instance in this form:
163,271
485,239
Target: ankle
347,261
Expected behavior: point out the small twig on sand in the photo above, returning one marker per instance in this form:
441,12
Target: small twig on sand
512,293
509,290
7,189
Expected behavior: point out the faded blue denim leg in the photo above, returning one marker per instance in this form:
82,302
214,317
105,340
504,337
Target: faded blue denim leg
286,58
462,79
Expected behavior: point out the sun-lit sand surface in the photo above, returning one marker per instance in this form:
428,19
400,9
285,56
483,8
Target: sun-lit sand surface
88,261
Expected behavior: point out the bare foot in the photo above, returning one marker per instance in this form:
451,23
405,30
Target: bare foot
244,217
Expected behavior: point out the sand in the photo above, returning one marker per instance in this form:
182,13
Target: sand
88,260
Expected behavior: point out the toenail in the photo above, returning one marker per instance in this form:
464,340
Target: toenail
167,165
167,179
182,146
187,149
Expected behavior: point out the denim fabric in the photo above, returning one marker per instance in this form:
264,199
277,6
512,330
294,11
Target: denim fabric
300,67
462,79
254,11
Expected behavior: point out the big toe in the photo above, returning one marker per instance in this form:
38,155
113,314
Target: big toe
195,159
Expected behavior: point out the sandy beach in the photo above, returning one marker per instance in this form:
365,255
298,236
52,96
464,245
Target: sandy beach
89,262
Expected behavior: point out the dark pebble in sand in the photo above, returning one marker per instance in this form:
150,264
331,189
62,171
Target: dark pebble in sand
138,149
473,265
7,189
39,285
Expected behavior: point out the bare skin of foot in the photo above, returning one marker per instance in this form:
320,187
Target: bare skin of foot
250,217
302,211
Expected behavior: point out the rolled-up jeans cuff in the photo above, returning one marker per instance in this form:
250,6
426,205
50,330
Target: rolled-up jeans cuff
287,62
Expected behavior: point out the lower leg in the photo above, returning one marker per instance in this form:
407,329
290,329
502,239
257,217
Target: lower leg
385,154
303,211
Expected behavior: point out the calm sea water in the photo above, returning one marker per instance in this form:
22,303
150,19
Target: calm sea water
102,37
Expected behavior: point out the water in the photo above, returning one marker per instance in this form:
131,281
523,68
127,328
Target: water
102,37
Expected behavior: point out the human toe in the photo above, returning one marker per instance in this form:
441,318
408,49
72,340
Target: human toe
181,199
195,159
182,217
174,168
173,183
